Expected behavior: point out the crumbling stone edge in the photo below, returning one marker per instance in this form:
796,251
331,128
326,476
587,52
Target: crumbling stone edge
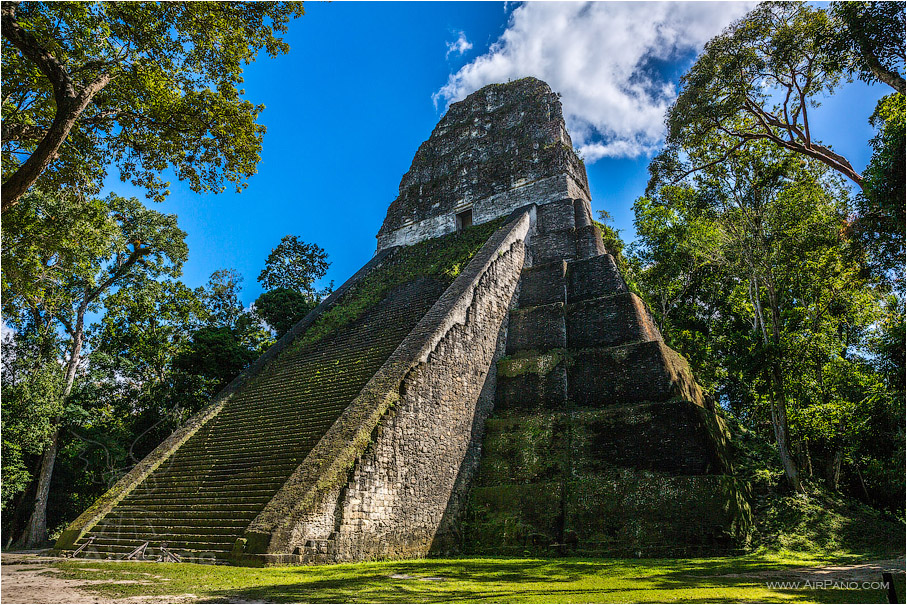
268,538
165,450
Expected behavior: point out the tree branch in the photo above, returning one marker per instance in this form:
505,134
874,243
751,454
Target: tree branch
70,104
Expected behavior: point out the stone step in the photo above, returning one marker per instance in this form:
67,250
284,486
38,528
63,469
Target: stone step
232,464
589,242
211,527
538,328
165,482
555,216
629,374
550,246
212,557
543,284
608,321
593,277
200,496
138,514
627,510
184,508
123,546
157,535
532,384
222,448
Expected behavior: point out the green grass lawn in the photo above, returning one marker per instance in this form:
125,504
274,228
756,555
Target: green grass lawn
720,579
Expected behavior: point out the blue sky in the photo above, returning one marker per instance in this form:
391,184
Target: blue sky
364,84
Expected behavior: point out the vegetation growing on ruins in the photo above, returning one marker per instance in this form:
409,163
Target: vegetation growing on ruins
440,258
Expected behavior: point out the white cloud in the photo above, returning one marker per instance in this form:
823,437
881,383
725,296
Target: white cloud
601,57
459,46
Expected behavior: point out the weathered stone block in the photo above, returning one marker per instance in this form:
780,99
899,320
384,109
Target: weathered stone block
552,246
531,384
676,438
543,284
523,449
609,320
538,328
633,513
593,277
513,518
589,242
582,213
555,216
627,374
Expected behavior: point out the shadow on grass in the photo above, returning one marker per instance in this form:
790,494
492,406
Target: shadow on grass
434,581
724,579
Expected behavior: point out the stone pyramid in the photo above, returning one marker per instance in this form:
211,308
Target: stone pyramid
485,384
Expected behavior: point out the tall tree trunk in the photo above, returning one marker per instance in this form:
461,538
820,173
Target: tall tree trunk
782,431
36,530
779,406
834,469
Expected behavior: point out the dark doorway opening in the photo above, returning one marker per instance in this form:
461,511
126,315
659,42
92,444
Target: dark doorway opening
464,220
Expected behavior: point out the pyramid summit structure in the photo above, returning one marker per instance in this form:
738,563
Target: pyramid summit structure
486,384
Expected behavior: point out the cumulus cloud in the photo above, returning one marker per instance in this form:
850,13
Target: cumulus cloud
607,59
458,46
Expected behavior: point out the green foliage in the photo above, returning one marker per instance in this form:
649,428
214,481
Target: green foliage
215,353
881,204
281,308
757,81
222,297
143,327
32,393
747,267
824,523
50,288
143,85
294,265
871,34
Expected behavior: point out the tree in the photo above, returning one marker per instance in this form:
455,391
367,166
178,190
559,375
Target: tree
294,264
881,219
281,308
873,35
57,284
32,396
217,354
221,297
141,85
761,79
748,267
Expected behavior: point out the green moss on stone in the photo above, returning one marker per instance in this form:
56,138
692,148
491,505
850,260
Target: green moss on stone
541,364
440,258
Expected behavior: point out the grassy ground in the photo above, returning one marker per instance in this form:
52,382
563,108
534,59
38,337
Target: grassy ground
722,579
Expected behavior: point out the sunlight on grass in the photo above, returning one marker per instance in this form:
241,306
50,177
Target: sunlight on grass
720,579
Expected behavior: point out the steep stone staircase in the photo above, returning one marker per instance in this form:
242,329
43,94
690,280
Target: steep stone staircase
599,442
201,499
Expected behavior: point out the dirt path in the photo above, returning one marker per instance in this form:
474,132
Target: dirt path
24,578
870,571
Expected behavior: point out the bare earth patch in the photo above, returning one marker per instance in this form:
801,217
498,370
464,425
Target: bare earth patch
28,578
859,572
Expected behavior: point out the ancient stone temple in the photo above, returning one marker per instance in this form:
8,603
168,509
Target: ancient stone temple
486,384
